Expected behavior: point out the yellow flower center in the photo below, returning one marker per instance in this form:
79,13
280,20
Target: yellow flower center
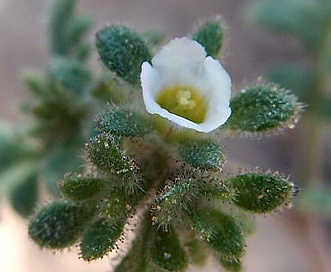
184,101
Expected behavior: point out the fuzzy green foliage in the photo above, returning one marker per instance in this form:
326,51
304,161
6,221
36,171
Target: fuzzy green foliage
71,75
140,175
67,30
124,122
60,161
211,36
77,187
106,155
202,153
262,108
167,251
123,51
168,206
295,17
24,196
59,224
220,231
100,238
262,192
294,77
115,204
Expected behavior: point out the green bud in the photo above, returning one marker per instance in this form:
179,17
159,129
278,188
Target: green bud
105,154
123,51
124,122
202,153
59,224
77,187
71,75
100,238
262,192
167,252
262,108
220,231
24,196
211,36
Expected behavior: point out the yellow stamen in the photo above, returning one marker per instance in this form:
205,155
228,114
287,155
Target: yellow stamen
184,101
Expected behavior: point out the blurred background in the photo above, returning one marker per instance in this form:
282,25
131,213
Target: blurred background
284,242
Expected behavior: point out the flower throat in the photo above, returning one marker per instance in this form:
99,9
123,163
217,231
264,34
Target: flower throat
184,101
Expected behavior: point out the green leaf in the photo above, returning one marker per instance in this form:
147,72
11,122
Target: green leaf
123,51
59,224
294,77
106,155
170,202
78,28
294,17
262,192
62,14
16,174
211,36
263,108
61,161
167,252
115,204
202,153
24,196
77,187
124,122
100,238
220,231
71,75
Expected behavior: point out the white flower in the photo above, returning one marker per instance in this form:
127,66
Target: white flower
186,87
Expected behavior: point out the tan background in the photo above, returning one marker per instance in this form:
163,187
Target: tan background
278,245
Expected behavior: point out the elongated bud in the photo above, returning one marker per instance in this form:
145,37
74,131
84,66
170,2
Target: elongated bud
211,36
262,108
262,193
123,51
